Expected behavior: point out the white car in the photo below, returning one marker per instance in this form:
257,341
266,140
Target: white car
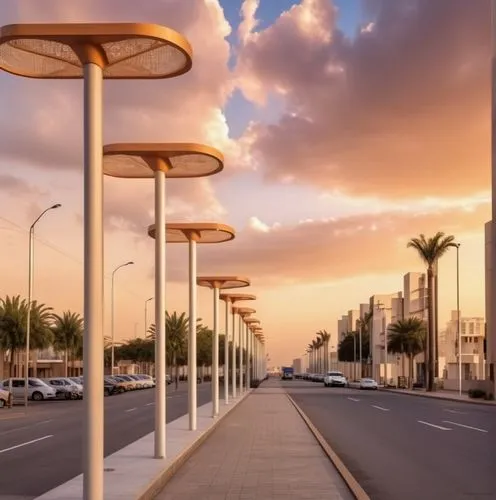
37,389
335,379
4,398
368,383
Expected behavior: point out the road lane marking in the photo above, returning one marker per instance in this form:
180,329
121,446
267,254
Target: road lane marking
25,444
130,409
455,411
150,404
353,399
380,408
434,425
465,426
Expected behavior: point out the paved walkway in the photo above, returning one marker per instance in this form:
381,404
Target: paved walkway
262,450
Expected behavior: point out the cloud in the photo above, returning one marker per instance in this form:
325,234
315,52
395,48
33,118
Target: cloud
15,186
41,123
327,250
249,22
401,110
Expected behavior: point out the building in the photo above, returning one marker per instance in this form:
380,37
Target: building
353,318
298,365
415,295
472,333
490,324
342,327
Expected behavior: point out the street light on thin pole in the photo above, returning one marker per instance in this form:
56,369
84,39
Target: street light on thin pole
30,293
458,330
112,311
146,320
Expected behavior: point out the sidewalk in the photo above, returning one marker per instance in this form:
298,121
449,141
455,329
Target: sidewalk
441,394
262,450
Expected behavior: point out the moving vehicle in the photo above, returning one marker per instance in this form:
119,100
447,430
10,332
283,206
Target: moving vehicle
287,373
368,383
335,379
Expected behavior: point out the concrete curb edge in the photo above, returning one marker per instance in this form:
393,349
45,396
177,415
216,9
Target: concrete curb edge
439,398
160,481
356,490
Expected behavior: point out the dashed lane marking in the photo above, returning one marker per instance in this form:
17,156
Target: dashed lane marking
441,428
465,426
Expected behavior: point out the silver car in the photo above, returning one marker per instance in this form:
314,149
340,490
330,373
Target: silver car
37,389
64,388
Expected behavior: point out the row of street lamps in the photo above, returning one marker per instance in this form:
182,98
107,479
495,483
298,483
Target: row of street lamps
95,52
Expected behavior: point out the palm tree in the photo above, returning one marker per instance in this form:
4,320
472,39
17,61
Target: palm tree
13,320
325,336
430,251
310,355
363,329
315,348
68,335
407,336
320,344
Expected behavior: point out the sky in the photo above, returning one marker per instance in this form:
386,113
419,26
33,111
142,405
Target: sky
348,127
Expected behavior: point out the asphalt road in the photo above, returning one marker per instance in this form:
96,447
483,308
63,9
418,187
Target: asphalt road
43,449
402,447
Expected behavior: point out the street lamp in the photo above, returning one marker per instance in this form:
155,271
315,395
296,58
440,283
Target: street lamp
218,283
232,298
93,52
161,161
146,316
250,323
193,233
458,329
243,312
112,312
30,293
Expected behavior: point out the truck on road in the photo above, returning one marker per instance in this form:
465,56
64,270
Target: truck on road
287,373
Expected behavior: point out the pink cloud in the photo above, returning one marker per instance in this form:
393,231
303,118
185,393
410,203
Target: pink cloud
401,110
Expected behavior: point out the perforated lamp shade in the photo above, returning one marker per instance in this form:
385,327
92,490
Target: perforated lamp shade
122,50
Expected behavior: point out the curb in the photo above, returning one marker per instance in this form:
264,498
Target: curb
356,490
440,398
159,483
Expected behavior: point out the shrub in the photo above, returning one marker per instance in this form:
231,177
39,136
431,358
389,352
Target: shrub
254,383
476,393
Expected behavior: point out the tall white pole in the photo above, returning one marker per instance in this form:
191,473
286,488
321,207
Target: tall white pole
234,375
112,347
458,330
241,361
160,306
92,434
192,382
226,356
215,356
492,317
248,359
28,321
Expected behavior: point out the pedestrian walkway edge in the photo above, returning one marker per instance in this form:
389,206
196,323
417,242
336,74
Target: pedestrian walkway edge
357,491
161,480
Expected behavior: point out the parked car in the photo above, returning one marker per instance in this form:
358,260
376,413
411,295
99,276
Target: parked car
37,389
110,388
64,389
120,385
4,398
368,383
335,379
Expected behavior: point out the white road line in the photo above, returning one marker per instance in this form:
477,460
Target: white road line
434,425
150,404
131,409
26,443
455,411
465,426
44,422
353,399
380,408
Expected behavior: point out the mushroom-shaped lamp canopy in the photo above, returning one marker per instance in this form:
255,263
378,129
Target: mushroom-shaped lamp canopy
236,297
179,160
252,321
222,282
243,311
201,232
122,50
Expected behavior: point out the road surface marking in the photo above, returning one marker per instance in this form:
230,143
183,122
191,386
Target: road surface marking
456,411
353,399
43,422
380,408
26,443
465,426
150,404
131,409
434,425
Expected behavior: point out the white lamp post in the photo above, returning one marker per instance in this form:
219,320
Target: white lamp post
30,299
243,312
458,320
250,324
93,52
193,233
161,161
217,283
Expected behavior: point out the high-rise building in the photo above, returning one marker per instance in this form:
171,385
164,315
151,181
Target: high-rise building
298,365
415,294
342,327
353,317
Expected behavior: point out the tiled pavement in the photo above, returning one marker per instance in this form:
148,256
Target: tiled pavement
262,450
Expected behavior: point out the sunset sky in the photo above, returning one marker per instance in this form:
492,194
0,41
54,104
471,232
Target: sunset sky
347,126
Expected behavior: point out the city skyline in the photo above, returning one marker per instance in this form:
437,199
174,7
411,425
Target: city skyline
323,188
